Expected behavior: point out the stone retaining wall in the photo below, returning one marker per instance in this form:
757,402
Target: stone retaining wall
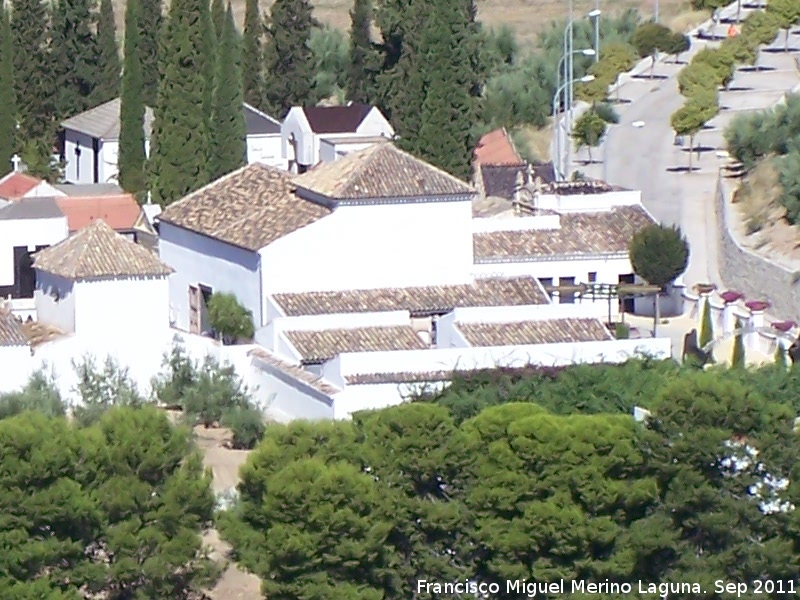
756,277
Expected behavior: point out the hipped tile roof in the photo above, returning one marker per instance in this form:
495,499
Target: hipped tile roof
496,148
319,346
249,208
98,252
516,291
295,371
546,331
336,119
103,121
380,171
11,333
604,232
16,184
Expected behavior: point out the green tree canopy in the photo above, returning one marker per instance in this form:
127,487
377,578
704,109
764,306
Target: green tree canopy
365,59
659,254
651,38
253,56
589,130
151,49
8,103
132,156
108,63
786,13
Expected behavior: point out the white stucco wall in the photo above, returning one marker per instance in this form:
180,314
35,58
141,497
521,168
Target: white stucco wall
44,190
55,301
589,202
30,233
296,124
393,245
201,260
330,150
121,306
283,398
107,163
375,124
15,361
266,148
78,170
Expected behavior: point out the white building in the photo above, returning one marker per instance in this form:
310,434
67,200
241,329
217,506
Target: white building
90,141
326,133
99,284
14,351
17,185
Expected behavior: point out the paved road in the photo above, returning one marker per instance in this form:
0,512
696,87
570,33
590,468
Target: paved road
646,158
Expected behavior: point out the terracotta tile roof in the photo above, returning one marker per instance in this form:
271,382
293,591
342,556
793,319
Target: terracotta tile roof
546,331
336,119
319,346
417,300
380,171
119,211
406,377
250,208
15,185
496,148
11,333
605,232
98,252
294,371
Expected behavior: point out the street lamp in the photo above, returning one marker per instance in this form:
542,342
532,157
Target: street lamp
559,88
560,173
595,17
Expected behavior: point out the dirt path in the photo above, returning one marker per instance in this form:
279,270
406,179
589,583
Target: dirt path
224,463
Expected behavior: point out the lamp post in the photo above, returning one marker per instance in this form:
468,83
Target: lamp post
564,154
595,17
557,131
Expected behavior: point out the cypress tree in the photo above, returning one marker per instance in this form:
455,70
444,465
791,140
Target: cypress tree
8,112
228,135
108,61
289,60
75,56
365,59
131,134
179,152
253,56
209,61
218,17
33,73
436,114
150,49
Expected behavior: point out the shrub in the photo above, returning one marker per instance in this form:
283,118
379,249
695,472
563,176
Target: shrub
101,389
247,425
790,185
229,319
722,63
706,326
738,358
696,77
760,27
622,331
40,394
216,390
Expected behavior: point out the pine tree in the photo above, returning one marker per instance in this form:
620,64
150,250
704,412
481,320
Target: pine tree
218,17
436,114
365,59
108,67
253,56
150,49
33,73
179,151
228,143
131,134
8,112
289,60
75,56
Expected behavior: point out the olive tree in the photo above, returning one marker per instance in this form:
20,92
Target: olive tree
589,130
650,38
659,254
690,118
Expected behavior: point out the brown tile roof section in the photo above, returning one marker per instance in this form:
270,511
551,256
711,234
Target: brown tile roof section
606,232
15,185
406,377
336,119
546,331
249,208
496,148
119,211
98,252
11,333
417,300
380,171
295,371
319,346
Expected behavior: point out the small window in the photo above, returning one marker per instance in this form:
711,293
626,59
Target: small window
547,282
564,296
593,277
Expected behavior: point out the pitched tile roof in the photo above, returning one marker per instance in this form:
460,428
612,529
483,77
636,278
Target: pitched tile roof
295,371
119,211
319,346
546,331
259,123
404,377
336,119
98,252
11,333
604,232
496,148
249,208
102,121
31,208
16,184
417,300
380,171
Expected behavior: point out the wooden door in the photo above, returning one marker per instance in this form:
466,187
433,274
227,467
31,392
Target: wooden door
194,309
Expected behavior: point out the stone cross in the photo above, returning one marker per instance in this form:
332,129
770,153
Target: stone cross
15,160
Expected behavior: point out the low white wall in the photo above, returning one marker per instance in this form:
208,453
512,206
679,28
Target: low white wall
283,398
15,364
366,397
54,298
342,321
589,202
23,308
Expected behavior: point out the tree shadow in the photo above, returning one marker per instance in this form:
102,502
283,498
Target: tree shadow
699,149
756,69
589,162
780,50
710,37
707,127
648,77
683,169
752,5
621,100
740,88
